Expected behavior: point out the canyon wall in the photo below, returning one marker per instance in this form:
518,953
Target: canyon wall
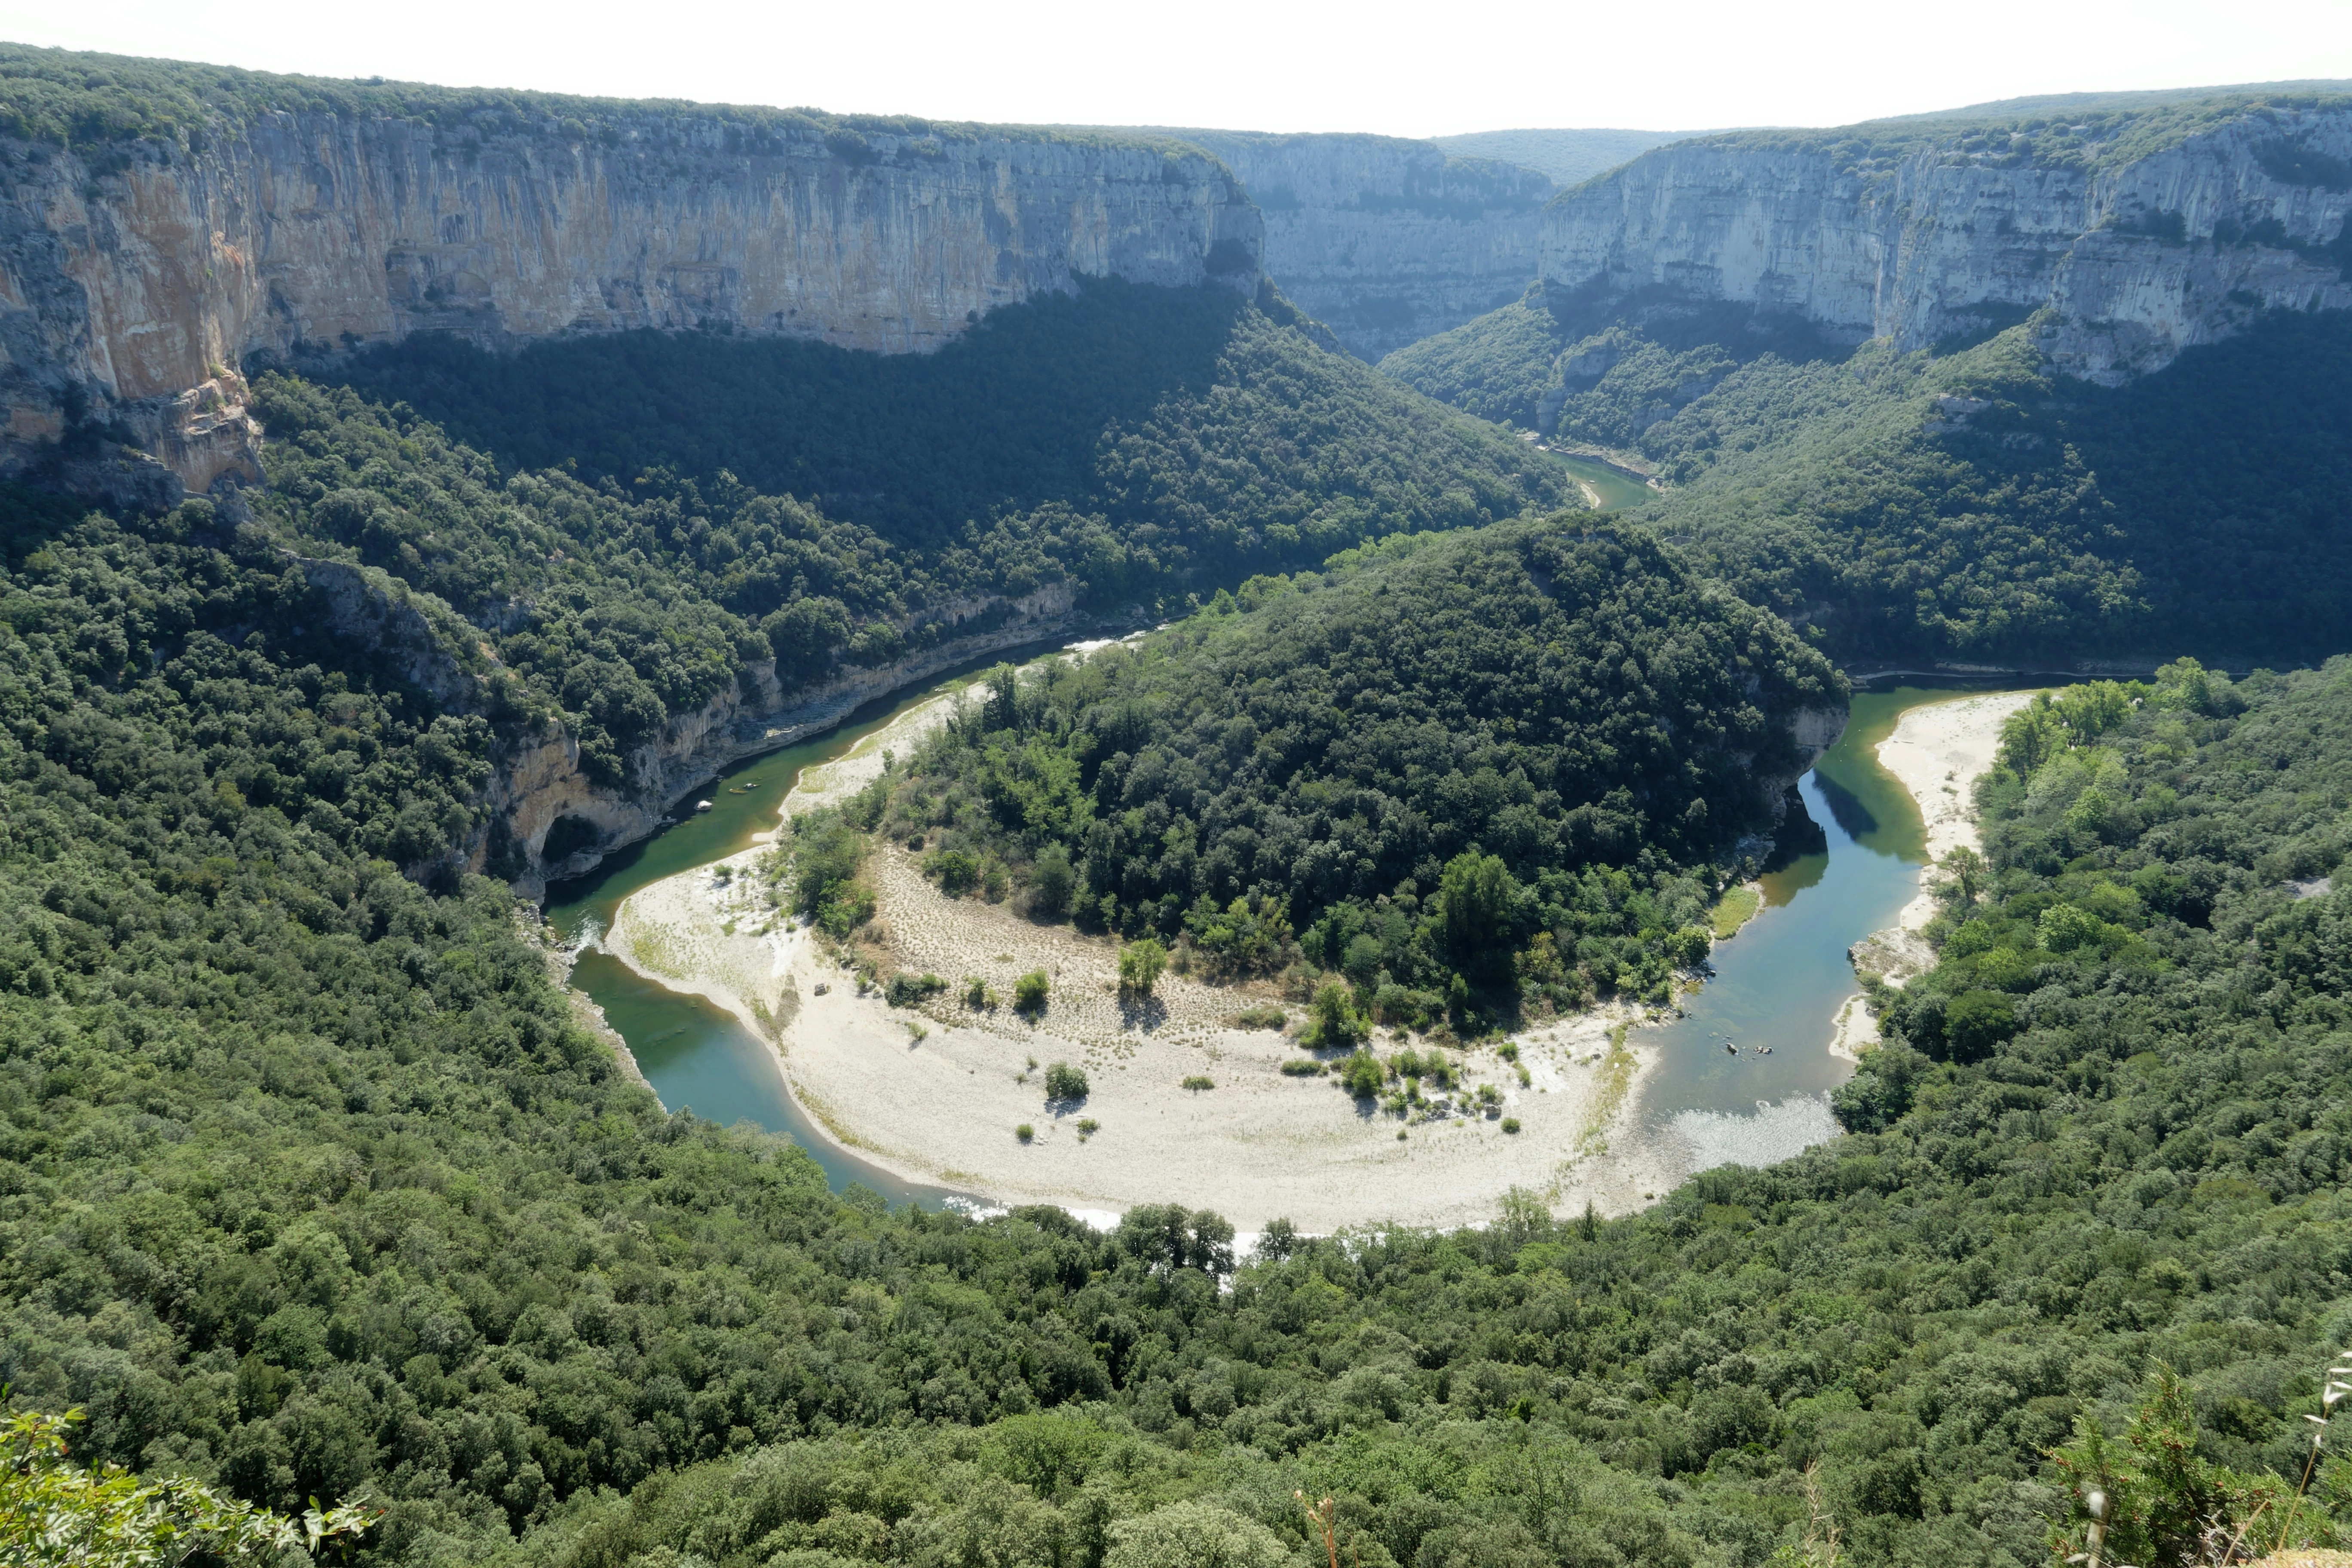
137,279
1917,238
1386,240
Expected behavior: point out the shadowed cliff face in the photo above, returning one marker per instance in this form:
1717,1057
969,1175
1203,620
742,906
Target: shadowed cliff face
1383,239
136,288
2137,256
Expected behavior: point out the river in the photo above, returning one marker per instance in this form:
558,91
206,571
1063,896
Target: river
1780,982
696,1055
1615,489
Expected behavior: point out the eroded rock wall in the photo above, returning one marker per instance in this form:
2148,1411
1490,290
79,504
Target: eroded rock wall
2137,258
537,779
133,290
1383,239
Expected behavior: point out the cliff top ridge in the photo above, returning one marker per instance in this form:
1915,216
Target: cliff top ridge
72,99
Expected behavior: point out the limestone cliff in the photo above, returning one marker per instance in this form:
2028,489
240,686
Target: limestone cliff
1387,240
2141,240
137,277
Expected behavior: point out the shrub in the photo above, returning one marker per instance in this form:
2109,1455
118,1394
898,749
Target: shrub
846,907
1139,967
1246,936
1024,1132
1414,1065
1361,1075
1029,993
1063,1081
979,994
1404,1007
1260,1018
906,990
1197,1082
958,872
1332,1019
1510,1124
1087,1128
1302,1066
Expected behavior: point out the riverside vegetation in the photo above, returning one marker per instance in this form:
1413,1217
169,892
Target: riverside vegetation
1461,771
315,1188
312,1185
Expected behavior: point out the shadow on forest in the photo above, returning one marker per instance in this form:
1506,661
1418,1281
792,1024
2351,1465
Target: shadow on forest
1010,416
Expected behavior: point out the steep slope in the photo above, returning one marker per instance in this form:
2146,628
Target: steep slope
674,549
1385,240
164,224
2136,453
1977,508
2138,230
2144,231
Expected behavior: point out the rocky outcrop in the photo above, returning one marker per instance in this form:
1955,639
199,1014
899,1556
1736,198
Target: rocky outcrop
538,783
1387,240
136,281
1917,238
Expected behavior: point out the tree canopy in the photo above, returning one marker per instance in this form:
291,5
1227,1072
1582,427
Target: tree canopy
1969,504
1422,761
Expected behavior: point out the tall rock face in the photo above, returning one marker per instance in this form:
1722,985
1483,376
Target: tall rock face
1385,240
136,279
2140,239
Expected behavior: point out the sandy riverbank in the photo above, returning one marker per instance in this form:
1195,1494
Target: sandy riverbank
1936,752
934,1093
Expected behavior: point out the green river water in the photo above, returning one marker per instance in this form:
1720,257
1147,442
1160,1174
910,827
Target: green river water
1780,982
1614,489
696,1055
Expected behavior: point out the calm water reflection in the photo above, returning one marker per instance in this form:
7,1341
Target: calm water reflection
1855,863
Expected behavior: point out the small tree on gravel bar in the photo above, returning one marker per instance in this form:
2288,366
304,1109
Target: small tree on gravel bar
1139,967
1029,993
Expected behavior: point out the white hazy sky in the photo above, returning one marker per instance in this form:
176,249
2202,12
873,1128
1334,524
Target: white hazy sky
1421,70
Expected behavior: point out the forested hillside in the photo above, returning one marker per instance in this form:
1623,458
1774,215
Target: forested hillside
313,1186
1451,764
1966,505
640,517
1132,437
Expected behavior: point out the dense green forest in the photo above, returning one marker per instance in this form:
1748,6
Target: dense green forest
1134,446
1518,757
102,105
314,1186
1189,427
1968,504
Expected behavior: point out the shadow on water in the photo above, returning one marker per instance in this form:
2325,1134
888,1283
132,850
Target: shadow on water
695,1054
1845,862
1846,810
